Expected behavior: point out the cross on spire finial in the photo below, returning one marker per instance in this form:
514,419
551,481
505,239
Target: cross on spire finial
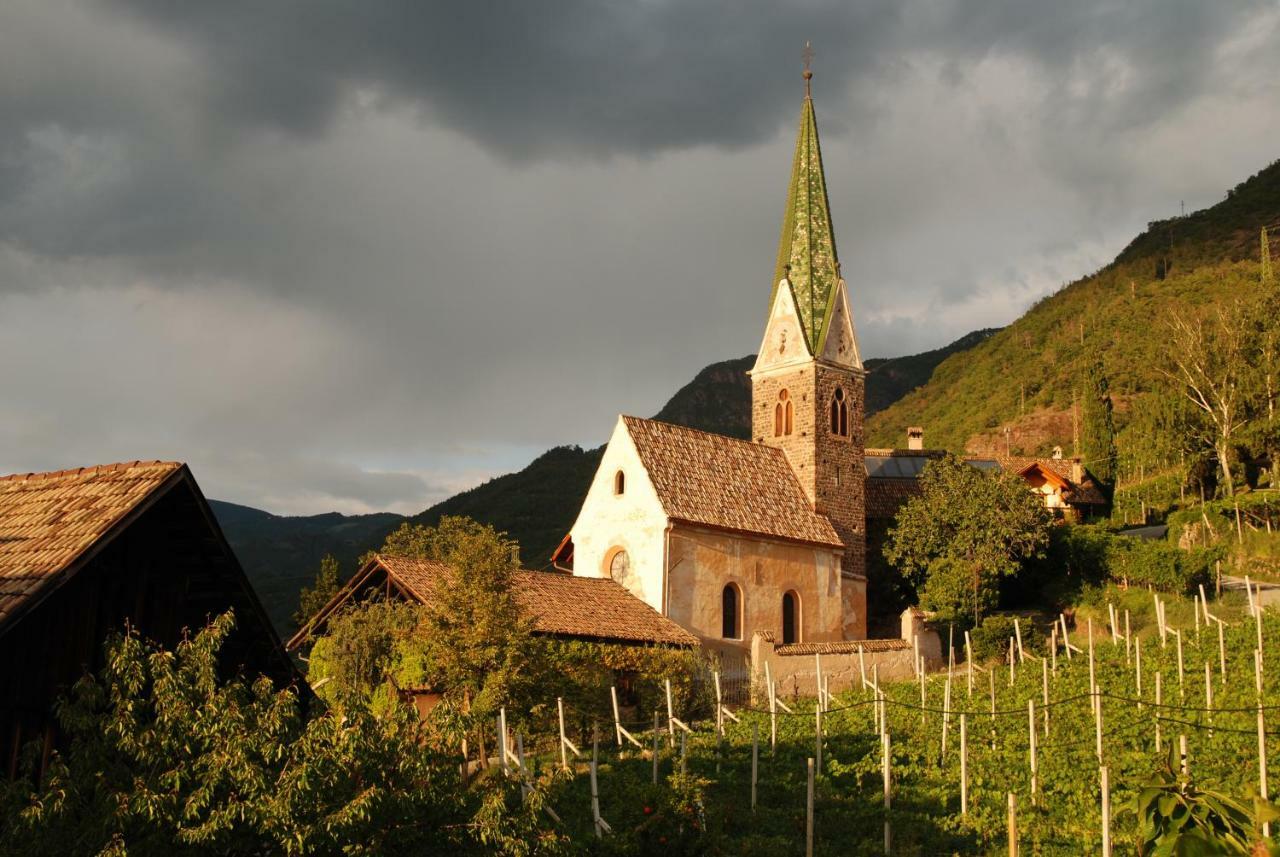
807,56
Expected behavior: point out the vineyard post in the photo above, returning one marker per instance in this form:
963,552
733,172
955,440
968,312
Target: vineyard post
1017,630
915,653
808,816
768,678
991,676
564,753
946,716
1066,638
1195,611
1184,763
1105,788
1262,738
888,779
951,648
1137,652
1097,724
1159,619
684,754
1053,650
755,759
1258,622
617,721
595,802
1222,653
1217,586
862,670
525,788
1044,689
924,700
1031,737
1115,624
773,720
964,765
1013,825
1204,601
671,717
817,673
1182,696
1156,712
817,733
719,713
968,659
1128,638
656,717
875,681
502,741
1248,591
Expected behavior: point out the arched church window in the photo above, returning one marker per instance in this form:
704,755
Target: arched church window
839,414
731,615
783,415
619,483
790,618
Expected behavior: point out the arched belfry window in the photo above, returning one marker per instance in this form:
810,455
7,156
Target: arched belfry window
839,414
790,618
783,415
619,483
731,612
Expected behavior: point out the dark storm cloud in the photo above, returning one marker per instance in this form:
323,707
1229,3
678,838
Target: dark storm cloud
359,255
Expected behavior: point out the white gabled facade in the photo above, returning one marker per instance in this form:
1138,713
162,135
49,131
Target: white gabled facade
632,521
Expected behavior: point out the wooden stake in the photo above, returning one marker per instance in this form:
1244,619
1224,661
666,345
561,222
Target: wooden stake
1262,738
1208,694
1128,639
1185,762
1093,683
773,720
656,721
862,668
1097,724
755,759
1204,603
964,765
564,754
719,708
817,674
617,721
1044,692
1181,692
1222,653
671,717
1137,652
600,824
1031,737
1013,825
968,659
1105,787
923,700
946,715
525,788
888,789
817,734
1017,630
502,740
1053,650
808,816
1066,638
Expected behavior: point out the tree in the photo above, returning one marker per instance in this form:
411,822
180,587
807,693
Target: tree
1211,365
313,598
1098,440
476,635
989,521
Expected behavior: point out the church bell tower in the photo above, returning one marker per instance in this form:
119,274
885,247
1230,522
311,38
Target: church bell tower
808,379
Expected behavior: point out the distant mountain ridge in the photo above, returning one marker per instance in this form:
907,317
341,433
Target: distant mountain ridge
536,505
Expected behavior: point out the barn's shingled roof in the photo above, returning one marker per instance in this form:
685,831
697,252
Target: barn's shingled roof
728,484
559,604
49,521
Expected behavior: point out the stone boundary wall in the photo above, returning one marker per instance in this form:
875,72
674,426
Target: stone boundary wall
794,666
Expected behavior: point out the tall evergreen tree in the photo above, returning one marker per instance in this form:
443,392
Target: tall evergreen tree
1098,432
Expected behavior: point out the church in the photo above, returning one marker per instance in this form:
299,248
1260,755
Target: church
731,538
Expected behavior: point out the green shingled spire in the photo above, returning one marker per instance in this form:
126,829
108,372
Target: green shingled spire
808,244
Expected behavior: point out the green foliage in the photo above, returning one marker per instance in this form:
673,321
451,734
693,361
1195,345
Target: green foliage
368,653
313,598
950,595
986,520
1175,817
1098,429
1159,565
990,640
163,756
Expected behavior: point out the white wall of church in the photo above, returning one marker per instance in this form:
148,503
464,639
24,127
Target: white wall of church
632,521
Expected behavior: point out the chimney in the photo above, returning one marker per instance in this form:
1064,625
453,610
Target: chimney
915,437
1077,471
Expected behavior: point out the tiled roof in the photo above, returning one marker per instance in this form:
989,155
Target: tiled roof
1085,493
726,483
561,604
49,520
886,496
842,647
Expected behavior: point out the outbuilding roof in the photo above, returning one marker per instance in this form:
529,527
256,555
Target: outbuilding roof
561,605
49,522
726,483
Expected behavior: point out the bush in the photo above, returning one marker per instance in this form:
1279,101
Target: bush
991,639
1159,565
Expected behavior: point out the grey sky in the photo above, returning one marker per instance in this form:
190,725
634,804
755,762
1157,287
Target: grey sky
358,256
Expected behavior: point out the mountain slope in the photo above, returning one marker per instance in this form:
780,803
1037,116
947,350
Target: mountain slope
1024,376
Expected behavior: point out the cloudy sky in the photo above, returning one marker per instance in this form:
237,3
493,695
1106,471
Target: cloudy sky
357,256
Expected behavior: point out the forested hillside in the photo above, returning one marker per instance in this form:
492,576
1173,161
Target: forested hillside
1025,377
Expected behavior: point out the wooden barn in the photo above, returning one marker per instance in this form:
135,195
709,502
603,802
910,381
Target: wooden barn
82,552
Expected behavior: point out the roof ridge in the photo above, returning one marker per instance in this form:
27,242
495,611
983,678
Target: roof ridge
91,470
729,438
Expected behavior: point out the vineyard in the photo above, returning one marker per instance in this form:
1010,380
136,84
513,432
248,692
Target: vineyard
957,743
